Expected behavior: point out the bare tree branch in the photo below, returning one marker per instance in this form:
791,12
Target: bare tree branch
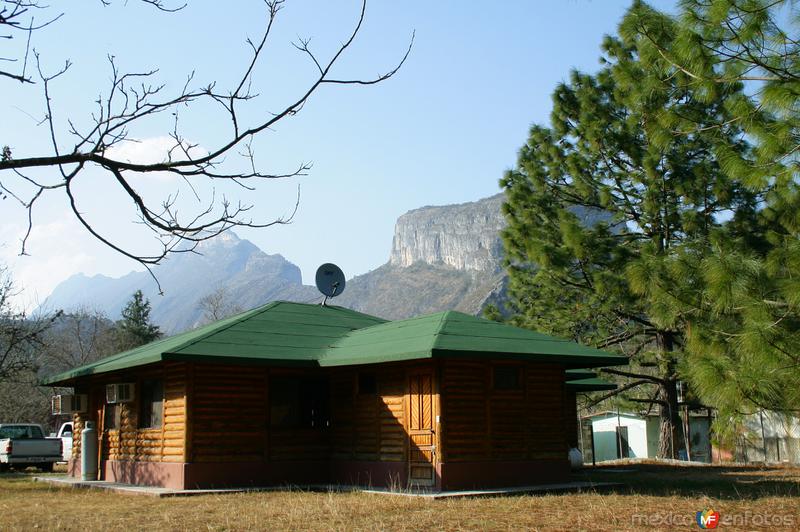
134,98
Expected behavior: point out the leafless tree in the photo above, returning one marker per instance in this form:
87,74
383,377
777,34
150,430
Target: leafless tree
20,335
217,305
133,98
72,339
77,337
22,401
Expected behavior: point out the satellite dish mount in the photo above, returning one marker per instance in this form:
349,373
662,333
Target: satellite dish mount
330,281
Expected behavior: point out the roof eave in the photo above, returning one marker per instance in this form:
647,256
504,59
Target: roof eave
67,378
570,361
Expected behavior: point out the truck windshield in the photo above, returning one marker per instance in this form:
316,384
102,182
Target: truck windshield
21,432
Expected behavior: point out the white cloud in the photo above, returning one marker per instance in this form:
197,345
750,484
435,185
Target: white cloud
151,151
55,251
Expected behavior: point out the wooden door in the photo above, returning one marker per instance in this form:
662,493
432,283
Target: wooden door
421,429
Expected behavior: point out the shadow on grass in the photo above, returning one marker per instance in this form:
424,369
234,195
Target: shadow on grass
721,482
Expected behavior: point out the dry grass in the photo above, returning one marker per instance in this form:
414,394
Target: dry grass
664,496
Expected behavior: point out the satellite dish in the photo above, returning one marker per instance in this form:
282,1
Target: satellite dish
330,280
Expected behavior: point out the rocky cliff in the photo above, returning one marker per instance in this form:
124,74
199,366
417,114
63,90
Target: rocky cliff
442,258
464,236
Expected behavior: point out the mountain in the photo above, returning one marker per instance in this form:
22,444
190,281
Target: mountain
445,257
249,277
464,236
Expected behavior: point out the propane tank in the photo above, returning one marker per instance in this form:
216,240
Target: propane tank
89,452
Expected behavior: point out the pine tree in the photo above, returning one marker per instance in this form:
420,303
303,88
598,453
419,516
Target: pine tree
745,327
610,204
135,328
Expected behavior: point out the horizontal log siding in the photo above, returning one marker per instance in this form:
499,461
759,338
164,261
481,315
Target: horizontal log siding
480,423
391,415
229,414
465,411
571,418
545,436
368,427
163,444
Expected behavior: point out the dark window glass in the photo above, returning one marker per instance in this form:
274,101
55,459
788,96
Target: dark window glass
284,402
112,416
507,378
151,404
367,384
298,402
21,432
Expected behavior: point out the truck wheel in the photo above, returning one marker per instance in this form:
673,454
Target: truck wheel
3,468
46,467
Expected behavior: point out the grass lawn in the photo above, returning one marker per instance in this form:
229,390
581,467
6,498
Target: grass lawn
654,497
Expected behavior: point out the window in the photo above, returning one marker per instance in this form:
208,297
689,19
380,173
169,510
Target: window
507,378
112,416
367,384
21,432
151,404
298,402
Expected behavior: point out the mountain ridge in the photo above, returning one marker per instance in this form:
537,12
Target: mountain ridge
443,257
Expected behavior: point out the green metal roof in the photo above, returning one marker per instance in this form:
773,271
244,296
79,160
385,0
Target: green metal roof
315,335
279,331
575,374
457,334
590,385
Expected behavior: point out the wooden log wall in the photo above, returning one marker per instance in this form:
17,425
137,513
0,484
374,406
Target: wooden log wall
129,442
571,424
230,419
218,413
368,427
480,423
78,424
229,414
162,444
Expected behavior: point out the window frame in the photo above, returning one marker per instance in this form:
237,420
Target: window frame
115,423
150,416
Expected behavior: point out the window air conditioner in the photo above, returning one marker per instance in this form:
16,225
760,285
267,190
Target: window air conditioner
68,404
119,393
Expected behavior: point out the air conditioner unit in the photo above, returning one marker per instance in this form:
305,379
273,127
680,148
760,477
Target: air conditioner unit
119,393
68,404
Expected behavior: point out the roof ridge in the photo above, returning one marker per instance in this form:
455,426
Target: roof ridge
346,310
439,328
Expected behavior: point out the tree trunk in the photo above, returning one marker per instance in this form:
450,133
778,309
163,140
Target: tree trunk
670,429
670,436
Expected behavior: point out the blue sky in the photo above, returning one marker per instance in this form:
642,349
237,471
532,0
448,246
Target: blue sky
441,131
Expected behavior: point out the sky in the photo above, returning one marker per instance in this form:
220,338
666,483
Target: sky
441,131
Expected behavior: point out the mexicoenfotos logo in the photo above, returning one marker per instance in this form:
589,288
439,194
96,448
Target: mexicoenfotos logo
707,518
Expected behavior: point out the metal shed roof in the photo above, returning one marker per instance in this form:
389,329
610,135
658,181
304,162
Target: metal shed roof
315,335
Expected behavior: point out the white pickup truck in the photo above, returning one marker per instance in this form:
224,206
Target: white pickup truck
65,434
24,444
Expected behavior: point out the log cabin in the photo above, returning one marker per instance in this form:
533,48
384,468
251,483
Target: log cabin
299,394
